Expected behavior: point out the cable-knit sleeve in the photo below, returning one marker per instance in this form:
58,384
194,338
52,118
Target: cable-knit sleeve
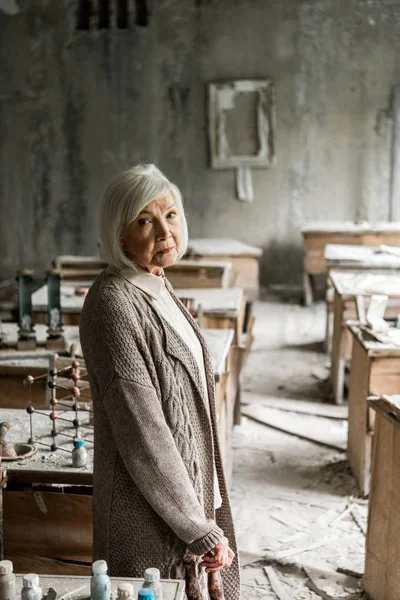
142,435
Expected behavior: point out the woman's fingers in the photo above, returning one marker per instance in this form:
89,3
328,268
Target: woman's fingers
220,557
231,556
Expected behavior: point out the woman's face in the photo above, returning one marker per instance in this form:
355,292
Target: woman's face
153,239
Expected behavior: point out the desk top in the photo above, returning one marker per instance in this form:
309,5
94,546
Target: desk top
215,301
9,351
353,284
377,344
360,257
219,342
388,405
350,227
173,589
221,247
46,466
56,467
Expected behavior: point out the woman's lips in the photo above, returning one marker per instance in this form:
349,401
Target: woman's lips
166,251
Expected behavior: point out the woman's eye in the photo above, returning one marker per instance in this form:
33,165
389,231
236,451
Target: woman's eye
143,222
171,215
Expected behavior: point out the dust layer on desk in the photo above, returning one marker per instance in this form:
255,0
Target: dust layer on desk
78,588
45,459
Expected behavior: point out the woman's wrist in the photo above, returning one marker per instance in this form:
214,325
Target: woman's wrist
207,542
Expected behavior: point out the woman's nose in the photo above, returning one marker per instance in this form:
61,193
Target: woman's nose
163,232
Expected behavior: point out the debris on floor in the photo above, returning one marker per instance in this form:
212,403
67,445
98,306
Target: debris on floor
301,528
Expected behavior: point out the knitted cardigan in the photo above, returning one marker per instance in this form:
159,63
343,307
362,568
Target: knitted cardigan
154,442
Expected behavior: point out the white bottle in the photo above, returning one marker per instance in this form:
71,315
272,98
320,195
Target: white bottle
79,454
100,583
7,580
31,589
152,581
125,591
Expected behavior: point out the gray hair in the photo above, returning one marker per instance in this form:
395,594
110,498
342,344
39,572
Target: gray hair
125,197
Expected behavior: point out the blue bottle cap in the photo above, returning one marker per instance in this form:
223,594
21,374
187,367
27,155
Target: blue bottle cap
146,594
79,443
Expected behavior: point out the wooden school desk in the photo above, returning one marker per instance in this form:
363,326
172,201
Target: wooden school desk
357,259
81,271
173,589
316,235
244,258
382,566
48,504
375,369
223,308
16,364
347,286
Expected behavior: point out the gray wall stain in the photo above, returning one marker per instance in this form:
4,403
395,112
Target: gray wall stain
78,107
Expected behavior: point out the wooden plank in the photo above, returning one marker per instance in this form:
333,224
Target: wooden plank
48,524
375,578
29,563
294,426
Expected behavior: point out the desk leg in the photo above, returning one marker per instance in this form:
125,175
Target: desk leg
338,360
308,289
359,446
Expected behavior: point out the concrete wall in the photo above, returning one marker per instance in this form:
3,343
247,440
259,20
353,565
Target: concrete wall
78,107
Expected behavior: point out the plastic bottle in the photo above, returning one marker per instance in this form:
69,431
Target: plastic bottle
79,454
100,583
31,589
152,581
125,591
7,580
146,594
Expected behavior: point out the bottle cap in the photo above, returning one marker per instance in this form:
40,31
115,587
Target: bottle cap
125,590
79,444
146,594
152,575
6,567
30,580
99,567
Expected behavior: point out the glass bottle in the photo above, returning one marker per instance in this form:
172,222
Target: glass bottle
7,580
100,583
152,581
31,589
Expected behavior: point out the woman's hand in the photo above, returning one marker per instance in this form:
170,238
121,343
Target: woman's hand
220,557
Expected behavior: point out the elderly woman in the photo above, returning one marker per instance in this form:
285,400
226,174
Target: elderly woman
160,497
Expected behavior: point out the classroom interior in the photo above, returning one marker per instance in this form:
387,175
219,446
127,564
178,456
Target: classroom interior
280,124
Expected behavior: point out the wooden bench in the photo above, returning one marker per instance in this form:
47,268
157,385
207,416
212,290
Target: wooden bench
316,235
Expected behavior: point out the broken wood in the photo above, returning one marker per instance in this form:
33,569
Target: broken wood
263,415
276,584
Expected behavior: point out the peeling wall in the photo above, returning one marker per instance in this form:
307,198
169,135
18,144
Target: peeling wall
78,107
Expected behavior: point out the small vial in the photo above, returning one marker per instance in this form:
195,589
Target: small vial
125,591
31,589
7,580
79,454
100,583
146,594
152,581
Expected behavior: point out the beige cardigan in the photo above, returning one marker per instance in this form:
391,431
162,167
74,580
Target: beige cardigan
154,444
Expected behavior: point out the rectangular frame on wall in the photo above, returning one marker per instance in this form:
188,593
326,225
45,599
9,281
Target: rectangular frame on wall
227,104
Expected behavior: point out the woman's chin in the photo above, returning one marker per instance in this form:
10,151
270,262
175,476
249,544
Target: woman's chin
166,260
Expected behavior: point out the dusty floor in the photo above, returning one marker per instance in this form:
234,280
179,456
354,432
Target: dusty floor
290,496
